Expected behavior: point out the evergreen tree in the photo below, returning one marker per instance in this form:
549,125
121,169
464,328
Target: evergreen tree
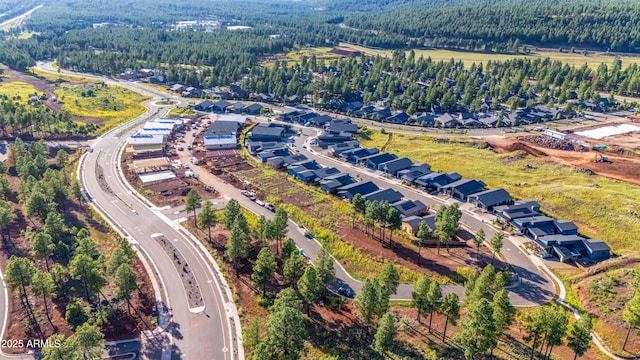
478,329
42,246
309,286
260,231
478,240
385,333
125,282
42,285
358,206
286,335
294,268
424,232
389,277
433,300
19,274
579,339
324,266
90,341
192,202
287,298
263,269
450,308
288,248
231,211
503,312
207,217
420,294
496,244
84,268
67,349
237,245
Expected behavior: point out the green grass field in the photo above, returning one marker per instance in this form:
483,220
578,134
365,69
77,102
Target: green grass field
603,208
114,104
17,90
468,57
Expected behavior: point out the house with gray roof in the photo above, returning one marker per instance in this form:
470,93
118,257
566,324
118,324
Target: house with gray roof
340,126
520,209
392,167
410,207
323,173
461,189
361,187
356,155
373,161
337,149
330,184
388,195
415,171
436,180
267,132
488,199
411,224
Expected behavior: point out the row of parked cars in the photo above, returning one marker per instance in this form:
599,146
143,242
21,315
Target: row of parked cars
252,197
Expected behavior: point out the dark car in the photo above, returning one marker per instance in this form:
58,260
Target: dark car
346,291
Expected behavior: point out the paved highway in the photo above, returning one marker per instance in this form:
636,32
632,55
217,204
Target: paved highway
201,320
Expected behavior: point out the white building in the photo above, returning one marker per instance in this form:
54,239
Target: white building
220,142
147,143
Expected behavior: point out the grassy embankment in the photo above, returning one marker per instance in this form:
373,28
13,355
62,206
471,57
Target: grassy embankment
603,208
327,213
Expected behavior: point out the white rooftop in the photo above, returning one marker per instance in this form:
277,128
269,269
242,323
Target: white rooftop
603,132
145,139
232,117
157,176
219,140
154,131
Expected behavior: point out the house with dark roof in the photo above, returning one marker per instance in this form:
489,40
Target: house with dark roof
264,156
364,111
304,118
351,106
289,116
399,118
447,121
220,106
361,187
392,167
323,173
388,195
341,126
267,132
325,140
292,159
204,106
332,183
461,189
436,180
408,176
520,209
253,109
306,176
356,155
410,207
298,167
373,161
319,121
411,224
257,146
337,149
488,199
597,249
424,119
535,226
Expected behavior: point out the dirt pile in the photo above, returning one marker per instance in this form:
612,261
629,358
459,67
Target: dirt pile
554,143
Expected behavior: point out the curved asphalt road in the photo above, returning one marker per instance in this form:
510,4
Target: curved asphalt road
199,332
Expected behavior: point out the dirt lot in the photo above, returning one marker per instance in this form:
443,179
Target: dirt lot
622,166
167,192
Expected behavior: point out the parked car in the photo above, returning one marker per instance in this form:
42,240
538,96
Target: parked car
261,203
303,230
345,290
270,207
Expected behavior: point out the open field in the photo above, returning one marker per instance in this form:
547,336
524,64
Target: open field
292,57
112,105
603,208
17,90
61,78
577,59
